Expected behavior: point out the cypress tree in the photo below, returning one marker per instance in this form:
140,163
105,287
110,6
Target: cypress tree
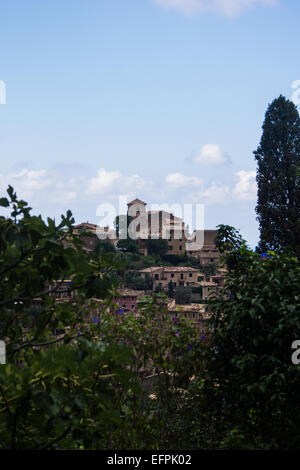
278,158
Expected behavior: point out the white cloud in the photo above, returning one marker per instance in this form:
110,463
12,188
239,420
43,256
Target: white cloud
211,154
224,7
246,188
26,182
103,181
178,180
215,194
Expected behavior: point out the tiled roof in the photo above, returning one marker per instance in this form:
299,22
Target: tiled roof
130,293
208,284
172,306
180,269
170,269
136,201
86,226
151,269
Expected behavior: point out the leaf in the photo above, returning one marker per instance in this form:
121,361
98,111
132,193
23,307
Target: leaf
4,202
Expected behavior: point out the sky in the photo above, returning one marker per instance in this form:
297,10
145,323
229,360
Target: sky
157,99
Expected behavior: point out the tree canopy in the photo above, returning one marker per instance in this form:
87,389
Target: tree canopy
278,158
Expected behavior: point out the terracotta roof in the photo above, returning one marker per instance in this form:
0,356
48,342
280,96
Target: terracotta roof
86,226
130,293
170,269
208,284
180,269
151,269
136,201
172,306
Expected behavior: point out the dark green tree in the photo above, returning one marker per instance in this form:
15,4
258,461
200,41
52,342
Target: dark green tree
252,382
128,245
157,246
104,246
183,295
170,290
134,281
120,222
56,390
278,157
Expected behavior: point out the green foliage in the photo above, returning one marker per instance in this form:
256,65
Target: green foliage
209,269
157,247
104,246
170,289
128,245
278,157
168,346
134,281
121,224
183,295
55,390
252,385
74,384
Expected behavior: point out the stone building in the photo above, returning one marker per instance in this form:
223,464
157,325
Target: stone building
90,233
178,275
208,253
155,225
127,299
195,312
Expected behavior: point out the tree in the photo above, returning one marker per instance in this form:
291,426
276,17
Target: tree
128,245
121,224
104,246
55,390
157,246
209,269
278,157
170,290
183,295
79,388
134,281
252,385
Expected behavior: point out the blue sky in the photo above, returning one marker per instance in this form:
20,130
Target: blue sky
158,99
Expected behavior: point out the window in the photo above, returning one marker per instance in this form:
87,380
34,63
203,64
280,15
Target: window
170,247
180,247
181,276
191,274
172,275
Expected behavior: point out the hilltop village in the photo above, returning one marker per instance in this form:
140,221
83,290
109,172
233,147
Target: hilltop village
168,264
